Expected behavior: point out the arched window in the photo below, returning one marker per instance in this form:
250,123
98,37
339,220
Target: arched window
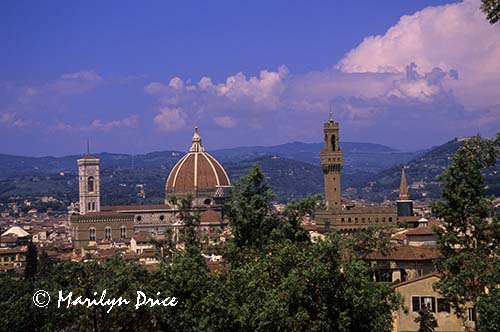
89,206
107,233
90,184
123,232
92,234
93,206
333,143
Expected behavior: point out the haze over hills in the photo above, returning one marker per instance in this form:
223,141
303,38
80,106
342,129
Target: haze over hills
363,157
421,174
292,169
371,172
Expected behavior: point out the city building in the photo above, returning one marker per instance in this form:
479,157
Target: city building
420,292
196,173
348,218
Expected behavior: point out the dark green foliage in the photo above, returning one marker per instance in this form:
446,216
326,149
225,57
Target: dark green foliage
488,309
491,9
31,261
469,241
273,279
426,320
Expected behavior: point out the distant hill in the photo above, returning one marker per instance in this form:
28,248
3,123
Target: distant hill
288,178
358,157
421,174
124,175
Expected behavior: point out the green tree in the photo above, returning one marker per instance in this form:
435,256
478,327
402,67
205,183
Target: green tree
491,9
470,237
31,261
426,320
488,309
250,211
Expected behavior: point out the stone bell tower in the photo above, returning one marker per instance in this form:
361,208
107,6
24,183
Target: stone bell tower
89,184
331,162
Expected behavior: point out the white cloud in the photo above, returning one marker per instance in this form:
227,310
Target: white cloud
128,122
225,121
170,119
176,83
11,119
450,37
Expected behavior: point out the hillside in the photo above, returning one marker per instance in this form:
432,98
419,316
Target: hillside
125,178
358,157
421,175
288,178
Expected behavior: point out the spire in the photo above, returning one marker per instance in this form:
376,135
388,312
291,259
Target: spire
196,146
403,187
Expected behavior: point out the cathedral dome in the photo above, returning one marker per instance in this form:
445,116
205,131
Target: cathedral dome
197,172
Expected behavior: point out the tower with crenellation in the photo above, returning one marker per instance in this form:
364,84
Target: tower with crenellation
331,162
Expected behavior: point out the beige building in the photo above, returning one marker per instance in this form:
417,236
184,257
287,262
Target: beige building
338,216
196,173
419,292
402,263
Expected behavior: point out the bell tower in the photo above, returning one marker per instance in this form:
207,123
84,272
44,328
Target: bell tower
331,162
89,184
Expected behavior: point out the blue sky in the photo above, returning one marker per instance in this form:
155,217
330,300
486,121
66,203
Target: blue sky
137,76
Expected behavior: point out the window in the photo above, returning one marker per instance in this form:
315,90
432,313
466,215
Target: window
162,217
415,303
429,302
443,305
349,219
383,275
92,234
123,232
472,314
90,184
383,219
107,233
138,218
390,219
93,206
363,219
333,142
419,302
343,220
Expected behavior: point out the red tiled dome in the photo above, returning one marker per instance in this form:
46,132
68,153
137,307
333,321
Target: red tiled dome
196,171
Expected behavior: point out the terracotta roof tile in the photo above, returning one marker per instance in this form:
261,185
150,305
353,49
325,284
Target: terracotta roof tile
405,253
210,216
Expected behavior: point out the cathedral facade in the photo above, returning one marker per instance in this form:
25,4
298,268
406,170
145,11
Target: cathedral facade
196,173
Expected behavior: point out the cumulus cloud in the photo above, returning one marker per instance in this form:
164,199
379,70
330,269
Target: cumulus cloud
438,65
454,37
170,119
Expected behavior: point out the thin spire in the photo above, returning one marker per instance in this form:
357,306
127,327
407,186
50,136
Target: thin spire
330,118
88,147
403,187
